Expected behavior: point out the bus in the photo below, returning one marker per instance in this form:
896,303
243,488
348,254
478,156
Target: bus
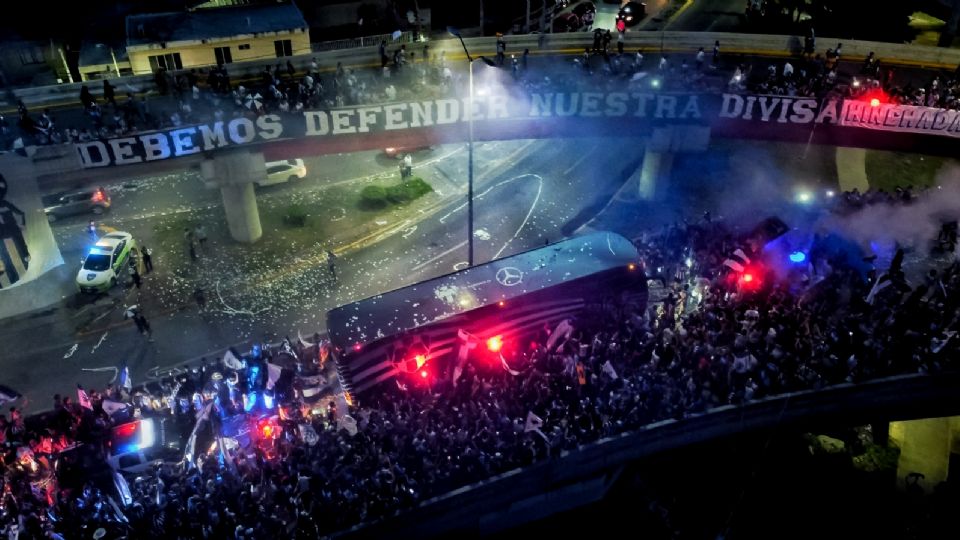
423,330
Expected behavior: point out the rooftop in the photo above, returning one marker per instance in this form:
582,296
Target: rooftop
212,23
95,54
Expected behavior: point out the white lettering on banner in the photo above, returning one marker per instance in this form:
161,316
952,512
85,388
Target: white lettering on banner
87,160
155,146
448,110
732,106
367,116
616,104
666,107
213,137
238,136
497,107
692,108
900,118
642,101
591,104
123,151
421,114
548,106
803,111
270,126
541,105
394,116
317,123
341,121
182,142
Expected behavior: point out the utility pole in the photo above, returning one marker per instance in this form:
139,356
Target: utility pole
526,26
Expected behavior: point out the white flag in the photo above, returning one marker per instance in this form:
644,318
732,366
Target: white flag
232,360
348,423
309,435
608,369
534,422
273,373
125,382
83,398
110,407
562,332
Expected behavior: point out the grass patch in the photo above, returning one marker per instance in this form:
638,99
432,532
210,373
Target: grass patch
379,197
295,216
887,170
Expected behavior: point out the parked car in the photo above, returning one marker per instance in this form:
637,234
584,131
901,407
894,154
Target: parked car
279,172
399,152
566,22
71,203
106,263
632,13
586,11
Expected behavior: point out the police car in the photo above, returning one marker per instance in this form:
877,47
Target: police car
106,263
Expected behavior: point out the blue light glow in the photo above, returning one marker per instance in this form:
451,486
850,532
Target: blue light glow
249,401
798,257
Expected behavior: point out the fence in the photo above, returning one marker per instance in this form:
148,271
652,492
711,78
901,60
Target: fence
364,41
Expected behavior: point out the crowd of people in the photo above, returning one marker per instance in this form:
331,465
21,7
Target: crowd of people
715,340
209,94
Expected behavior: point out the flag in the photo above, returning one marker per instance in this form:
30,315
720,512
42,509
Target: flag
8,394
232,360
309,435
533,423
110,407
608,369
83,398
882,283
468,343
348,423
503,362
125,382
273,374
563,331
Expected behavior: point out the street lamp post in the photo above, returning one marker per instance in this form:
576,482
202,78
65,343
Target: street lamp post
470,60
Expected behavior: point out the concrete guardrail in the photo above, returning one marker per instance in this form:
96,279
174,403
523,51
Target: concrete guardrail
567,43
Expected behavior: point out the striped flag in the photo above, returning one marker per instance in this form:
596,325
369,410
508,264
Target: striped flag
83,398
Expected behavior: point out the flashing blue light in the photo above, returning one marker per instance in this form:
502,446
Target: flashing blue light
127,448
249,401
798,257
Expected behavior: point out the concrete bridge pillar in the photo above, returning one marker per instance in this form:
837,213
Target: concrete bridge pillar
235,173
925,447
664,144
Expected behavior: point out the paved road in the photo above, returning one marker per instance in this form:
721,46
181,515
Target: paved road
527,192
709,16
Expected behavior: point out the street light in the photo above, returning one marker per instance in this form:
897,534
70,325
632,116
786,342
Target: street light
455,32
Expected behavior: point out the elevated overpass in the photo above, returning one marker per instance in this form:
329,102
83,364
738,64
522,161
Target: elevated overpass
232,153
583,477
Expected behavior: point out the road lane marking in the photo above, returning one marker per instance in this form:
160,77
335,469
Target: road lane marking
577,163
97,346
71,351
526,218
440,256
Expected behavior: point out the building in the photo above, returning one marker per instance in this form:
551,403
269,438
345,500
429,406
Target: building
212,36
101,61
30,62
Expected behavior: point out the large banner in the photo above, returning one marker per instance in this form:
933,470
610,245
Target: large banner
27,247
632,111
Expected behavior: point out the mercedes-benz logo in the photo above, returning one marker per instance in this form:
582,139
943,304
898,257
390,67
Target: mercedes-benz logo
509,276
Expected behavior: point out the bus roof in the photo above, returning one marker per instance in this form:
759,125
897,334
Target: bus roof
407,308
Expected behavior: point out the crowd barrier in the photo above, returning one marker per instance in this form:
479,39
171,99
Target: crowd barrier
487,506
918,56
